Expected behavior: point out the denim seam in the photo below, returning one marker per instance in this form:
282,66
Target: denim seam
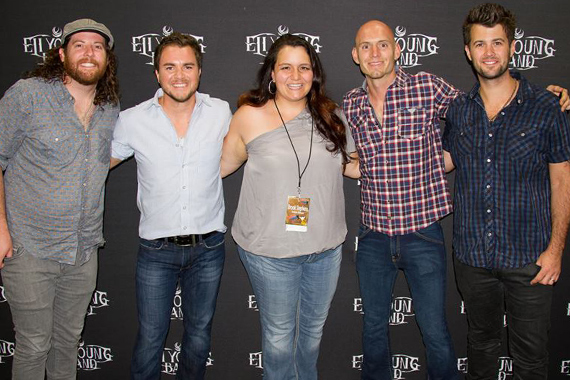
296,339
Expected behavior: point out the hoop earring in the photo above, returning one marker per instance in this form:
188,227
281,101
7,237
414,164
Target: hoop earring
269,87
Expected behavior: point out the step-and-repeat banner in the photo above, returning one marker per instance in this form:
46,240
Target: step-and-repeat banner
235,36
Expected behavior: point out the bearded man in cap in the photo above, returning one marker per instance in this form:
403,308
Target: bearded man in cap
55,132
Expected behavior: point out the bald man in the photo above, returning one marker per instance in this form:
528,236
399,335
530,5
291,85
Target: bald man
394,118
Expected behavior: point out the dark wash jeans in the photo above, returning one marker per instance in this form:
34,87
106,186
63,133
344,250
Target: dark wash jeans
160,265
486,292
421,255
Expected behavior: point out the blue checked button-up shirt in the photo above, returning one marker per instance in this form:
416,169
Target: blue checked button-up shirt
502,188
403,184
55,171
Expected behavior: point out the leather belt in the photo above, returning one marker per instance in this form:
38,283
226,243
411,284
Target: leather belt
187,240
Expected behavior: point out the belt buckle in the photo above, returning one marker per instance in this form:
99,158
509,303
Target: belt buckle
187,240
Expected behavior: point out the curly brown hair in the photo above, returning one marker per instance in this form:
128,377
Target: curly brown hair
51,70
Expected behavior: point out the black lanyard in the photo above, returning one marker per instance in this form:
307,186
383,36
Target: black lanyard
300,173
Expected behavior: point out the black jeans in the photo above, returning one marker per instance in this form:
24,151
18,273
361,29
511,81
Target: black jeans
486,293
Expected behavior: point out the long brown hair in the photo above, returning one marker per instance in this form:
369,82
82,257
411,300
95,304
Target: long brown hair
52,70
322,108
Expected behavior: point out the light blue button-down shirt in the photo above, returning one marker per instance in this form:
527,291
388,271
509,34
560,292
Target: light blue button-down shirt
179,183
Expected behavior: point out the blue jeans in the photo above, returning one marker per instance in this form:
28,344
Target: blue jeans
293,297
421,256
48,301
198,269
485,292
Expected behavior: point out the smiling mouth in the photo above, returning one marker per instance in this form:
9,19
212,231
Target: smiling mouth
297,86
88,65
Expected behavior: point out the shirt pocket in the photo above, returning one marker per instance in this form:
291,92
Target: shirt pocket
57,147
522,141
412,122
367,142
463,141
103,142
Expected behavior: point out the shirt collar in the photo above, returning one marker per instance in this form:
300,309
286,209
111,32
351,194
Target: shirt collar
524,92
400,81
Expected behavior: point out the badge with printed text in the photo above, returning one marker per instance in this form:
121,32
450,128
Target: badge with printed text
297,216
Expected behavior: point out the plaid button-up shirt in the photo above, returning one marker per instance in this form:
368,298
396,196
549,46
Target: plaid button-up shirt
55,171
502,186
403,184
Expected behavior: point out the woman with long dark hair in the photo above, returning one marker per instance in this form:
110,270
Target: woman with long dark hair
290,221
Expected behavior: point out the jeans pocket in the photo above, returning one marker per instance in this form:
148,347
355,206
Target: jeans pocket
151,244
17,251
363,231
432,234
215,240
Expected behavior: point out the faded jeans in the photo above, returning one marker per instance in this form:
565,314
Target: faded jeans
48,301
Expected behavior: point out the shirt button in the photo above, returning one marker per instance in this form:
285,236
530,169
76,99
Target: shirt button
488,186
488,211
84,184
490,135
184,227
183,207
86,159
184,187
503,113
523,134
488,160
490,234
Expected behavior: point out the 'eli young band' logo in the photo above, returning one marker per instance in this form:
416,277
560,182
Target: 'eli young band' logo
564,367
170,359
90,356
256,359
505,367
252,302
2,295
146,43
6,350
176,312
39,44
462,365
530,49
402,308
99,300
259,44
414,46
403,364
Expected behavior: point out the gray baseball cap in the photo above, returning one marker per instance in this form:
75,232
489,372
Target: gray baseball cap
87,25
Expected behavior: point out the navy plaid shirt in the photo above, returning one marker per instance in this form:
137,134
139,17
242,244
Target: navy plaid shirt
403,184
502,187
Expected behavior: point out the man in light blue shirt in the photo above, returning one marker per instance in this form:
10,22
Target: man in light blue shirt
176,138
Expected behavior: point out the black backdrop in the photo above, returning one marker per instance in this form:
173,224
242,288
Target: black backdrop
235,36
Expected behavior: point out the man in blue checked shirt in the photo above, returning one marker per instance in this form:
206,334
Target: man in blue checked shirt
510,145
176,138
394,119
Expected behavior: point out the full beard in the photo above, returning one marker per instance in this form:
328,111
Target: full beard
84,78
